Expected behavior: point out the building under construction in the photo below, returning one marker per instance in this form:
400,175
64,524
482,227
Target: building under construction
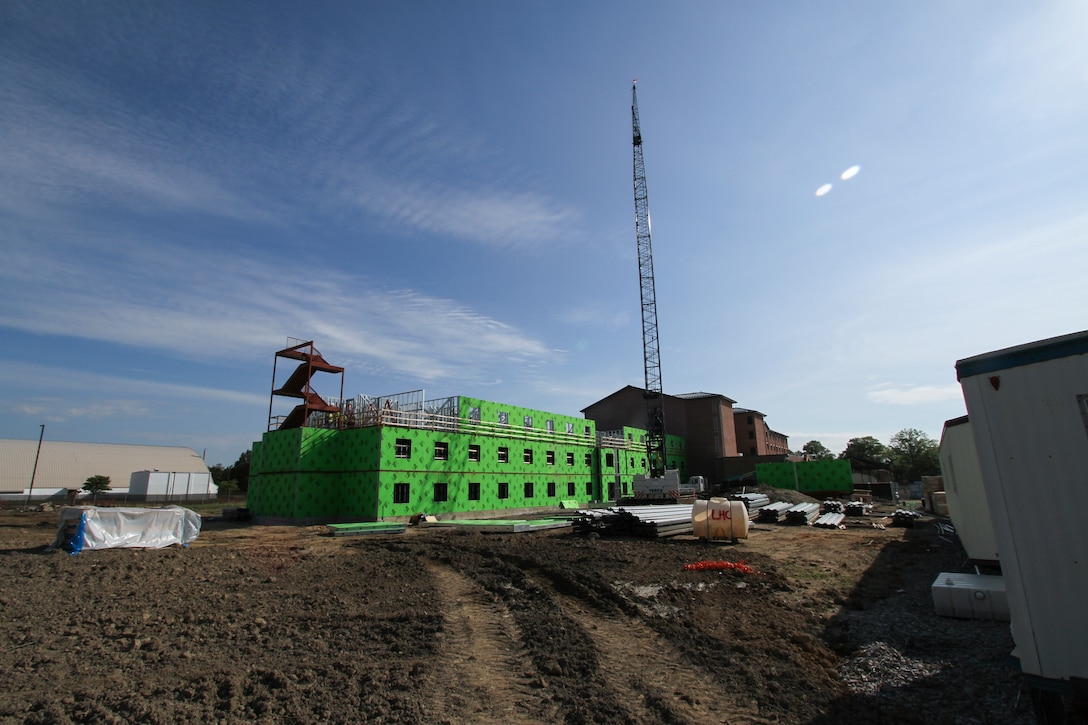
395,456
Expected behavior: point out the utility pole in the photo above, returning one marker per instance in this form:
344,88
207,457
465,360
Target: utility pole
35,471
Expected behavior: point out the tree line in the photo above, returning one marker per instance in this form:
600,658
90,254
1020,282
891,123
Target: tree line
909,455
234,477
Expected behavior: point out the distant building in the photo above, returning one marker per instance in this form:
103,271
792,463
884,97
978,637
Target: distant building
721,441
755,437
64,466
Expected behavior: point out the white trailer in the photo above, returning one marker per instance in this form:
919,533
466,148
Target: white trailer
966,495
171,486
1028,407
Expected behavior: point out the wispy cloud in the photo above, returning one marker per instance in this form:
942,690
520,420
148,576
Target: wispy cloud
280,136
503,219
594,317
128,393
914,394
236,308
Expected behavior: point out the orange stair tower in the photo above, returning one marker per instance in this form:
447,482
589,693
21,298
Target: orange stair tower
298,385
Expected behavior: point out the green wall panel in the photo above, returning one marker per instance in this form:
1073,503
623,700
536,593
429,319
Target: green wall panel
831,476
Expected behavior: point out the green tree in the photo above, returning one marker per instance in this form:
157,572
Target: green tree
240,470
866,453
237,471
96,485
817,451
228,487
218,472
913,454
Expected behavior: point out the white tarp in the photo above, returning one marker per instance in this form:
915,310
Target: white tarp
92,527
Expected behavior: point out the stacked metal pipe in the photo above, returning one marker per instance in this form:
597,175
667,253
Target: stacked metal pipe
752,501
646,521
772,512
830,520
802,513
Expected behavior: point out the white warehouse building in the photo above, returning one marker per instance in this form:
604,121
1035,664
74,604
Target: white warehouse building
136,473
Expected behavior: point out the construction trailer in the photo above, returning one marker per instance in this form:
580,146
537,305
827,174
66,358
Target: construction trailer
966,495
1028,407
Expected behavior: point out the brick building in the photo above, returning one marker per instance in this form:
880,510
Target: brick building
713,428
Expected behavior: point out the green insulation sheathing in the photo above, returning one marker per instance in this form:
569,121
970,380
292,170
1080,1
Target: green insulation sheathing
821,477
496,457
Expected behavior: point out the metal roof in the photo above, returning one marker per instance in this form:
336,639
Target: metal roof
1020,355
67,465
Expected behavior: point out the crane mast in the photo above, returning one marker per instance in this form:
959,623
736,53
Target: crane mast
655,403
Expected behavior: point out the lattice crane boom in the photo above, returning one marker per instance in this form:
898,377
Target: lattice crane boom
655,403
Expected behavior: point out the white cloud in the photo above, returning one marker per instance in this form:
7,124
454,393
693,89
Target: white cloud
914,394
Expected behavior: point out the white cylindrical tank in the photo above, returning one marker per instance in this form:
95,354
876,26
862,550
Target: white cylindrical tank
720,518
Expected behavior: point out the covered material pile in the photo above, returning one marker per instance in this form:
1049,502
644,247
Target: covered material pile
91,527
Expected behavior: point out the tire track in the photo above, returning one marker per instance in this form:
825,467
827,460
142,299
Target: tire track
647,672
485,676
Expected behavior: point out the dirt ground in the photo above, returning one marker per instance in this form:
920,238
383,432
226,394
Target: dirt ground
436,625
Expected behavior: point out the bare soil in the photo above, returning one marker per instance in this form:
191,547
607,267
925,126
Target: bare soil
292,625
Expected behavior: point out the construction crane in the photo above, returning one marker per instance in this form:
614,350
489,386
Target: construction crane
660,485
655,402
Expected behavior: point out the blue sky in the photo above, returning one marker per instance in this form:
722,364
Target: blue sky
440,196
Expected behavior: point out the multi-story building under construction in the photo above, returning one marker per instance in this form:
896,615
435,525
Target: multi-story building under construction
374,458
